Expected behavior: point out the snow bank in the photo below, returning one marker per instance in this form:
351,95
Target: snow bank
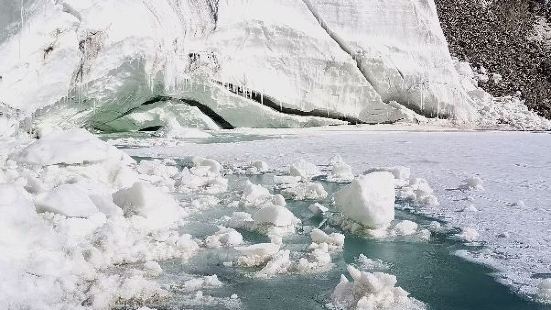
368,200
371,291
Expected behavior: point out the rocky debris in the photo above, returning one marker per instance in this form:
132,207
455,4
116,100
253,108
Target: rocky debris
494,35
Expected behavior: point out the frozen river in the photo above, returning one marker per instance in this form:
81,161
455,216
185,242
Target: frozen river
514,212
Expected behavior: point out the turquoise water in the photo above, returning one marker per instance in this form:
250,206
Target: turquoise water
427,270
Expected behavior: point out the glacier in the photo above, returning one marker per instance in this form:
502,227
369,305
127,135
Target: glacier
250,63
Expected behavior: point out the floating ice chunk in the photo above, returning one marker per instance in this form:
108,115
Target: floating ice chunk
340,172
372,291
472,183
257,254
304,169
370,264
468,234
405,228
152,268
278,264
419,192
159,173
544,291
67,199
255,194
224,237
205,282
199,178
157,209
240,220
368,200
258,167
318,259
214,167
318,209
334,239
303,191
275,215
75,146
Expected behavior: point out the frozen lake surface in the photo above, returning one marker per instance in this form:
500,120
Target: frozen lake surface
514,212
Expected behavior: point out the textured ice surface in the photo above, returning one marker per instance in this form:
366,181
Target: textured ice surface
514,167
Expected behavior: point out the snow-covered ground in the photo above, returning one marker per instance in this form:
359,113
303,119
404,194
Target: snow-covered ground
508,210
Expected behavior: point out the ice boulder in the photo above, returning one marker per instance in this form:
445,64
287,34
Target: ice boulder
156,208
333,239
368,200
257,254
304,169
375,290
275,215
224,237
70,200
75,146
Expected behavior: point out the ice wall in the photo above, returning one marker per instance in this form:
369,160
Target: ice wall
253,62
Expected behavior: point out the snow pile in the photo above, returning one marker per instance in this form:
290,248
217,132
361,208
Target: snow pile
472,183
73,207
368,200
468,234
418,192
371,291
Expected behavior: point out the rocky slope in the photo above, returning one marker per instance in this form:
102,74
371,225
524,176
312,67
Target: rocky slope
509,38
